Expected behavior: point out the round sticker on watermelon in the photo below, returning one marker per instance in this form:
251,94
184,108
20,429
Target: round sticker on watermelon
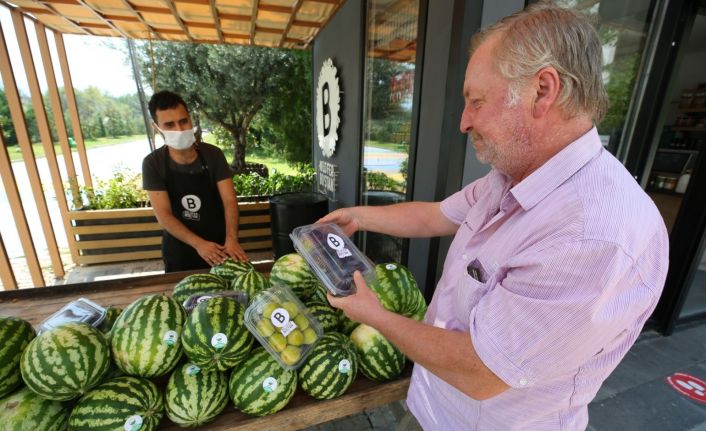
344,367
192,370
270,384
133,423
219,340
391,266
170,338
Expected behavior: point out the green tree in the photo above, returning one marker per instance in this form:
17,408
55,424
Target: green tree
231,84
8,129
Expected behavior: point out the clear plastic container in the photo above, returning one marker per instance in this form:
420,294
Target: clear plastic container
333,256
81,310
194,300
283,325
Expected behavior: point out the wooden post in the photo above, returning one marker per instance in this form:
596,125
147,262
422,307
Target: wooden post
45,134
58,110
73,109
7,277
18,120
63,138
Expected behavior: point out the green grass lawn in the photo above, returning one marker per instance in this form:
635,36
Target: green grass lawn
38,149
273,163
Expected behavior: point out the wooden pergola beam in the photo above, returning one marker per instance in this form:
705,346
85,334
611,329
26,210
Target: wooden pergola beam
63,135
73,108
137,14
216,19
48,5
180,21
49,153
292,17
13,195
7,276
103,19
337,5
253,21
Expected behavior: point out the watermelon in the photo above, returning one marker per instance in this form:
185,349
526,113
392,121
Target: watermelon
26,411
329,318
195,396
379,359
260,386
198,283
398,292
65,362
347,325
230,269
250,283
111,315
124,403
215,336
15,335
291,270
330,368
319,294
147,336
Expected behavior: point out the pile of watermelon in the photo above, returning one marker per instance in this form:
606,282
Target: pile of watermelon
153,359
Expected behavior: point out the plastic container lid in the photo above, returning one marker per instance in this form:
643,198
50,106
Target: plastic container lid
81,310
332,255
283,325
192,301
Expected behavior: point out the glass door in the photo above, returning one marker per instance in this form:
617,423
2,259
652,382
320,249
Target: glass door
390,73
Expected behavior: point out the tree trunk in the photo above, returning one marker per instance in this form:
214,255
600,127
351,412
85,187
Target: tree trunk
239,143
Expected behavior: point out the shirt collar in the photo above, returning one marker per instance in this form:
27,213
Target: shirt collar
557,170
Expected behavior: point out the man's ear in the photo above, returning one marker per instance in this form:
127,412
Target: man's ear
547,85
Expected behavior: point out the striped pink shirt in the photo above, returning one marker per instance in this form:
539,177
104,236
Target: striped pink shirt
572,260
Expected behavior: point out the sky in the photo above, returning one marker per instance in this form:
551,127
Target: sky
92,61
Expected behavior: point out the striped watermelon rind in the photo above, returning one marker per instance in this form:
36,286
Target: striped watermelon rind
328,318
65,362
231,269
15,336
197,283
293,271
111,405
379,359
26,411
331,367
398,291
251,283
147,336
214,336
259,386
194,396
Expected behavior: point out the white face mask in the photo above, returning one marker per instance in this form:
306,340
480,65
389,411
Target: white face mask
178,139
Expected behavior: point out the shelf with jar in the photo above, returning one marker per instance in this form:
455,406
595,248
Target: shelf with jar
691,110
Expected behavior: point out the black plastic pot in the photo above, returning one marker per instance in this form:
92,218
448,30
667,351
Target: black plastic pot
290,210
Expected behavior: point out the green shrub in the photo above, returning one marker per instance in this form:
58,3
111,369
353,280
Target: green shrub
123,190
254,185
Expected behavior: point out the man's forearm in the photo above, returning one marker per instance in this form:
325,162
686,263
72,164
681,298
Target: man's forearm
447,354
178,230
405,220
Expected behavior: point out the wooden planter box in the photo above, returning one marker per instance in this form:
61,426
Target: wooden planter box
119,235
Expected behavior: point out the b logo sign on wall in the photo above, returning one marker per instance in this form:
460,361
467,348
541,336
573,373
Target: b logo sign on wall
328,104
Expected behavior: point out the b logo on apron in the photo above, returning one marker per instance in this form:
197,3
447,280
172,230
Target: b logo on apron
192,205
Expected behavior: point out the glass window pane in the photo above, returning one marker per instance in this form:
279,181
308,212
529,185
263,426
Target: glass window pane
622,26
387,122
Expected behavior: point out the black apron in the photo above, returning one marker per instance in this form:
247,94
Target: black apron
196,203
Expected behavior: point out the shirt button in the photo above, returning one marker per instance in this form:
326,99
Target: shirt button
465,256
523,382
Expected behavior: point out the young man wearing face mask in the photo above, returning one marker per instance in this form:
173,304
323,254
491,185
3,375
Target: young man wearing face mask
191,190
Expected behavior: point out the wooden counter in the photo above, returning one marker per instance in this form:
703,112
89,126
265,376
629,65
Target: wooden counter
34,305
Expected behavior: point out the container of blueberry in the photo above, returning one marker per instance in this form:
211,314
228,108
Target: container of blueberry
332,256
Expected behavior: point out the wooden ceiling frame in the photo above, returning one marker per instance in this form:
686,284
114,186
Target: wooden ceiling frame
131,9
216,19
102,18
180,21
292,18
51,11
253,21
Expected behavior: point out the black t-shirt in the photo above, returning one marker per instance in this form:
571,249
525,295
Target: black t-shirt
153,175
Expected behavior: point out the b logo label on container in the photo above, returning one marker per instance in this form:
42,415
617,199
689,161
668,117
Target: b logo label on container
219,340
170,338
280,319
269,384
344,367
133,423
336,242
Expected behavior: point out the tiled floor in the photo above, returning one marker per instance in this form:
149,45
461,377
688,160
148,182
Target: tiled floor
634,398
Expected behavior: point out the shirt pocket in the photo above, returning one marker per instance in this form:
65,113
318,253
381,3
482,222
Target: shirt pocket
469,292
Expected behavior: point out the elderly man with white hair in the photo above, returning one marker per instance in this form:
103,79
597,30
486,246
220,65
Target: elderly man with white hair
558,257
